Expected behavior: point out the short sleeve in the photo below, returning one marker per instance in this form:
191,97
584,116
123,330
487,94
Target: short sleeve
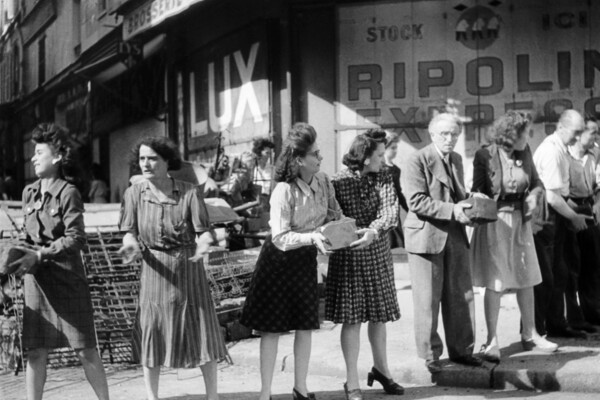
198,210
548,163
128,213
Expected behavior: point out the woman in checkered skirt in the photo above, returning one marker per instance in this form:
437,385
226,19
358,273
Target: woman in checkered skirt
58,306
283,293
360,280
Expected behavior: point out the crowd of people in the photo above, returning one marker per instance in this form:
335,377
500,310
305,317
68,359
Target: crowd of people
543,245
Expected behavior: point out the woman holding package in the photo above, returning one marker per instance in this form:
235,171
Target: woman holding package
502,252
360,281
283,293
58,307
167,226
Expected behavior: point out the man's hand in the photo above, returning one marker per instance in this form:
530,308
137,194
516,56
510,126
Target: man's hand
319,240
368,235
579,222
459,213
26,263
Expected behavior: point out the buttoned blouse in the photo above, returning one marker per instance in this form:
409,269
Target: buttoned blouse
164,224
54,221
298,208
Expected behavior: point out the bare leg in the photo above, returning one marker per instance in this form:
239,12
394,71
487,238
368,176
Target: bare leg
268,355
526,303
35,376
151,375
302,347
94,371
378,339
350,338
209,373
491,302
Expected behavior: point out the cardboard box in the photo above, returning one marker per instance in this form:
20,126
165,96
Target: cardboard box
482,210
339,233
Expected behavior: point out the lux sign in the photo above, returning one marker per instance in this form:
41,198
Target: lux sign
246,95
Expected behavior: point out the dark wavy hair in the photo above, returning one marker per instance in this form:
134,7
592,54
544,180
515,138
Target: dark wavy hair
299,141
62,145
363,147
508,128
258,145
162,145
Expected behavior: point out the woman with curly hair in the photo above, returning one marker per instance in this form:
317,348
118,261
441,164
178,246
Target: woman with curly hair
168,228
58,307
283,294
360,280
503,254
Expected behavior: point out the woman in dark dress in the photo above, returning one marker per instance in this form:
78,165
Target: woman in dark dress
167,226
58,307
391,150
360,281
283,293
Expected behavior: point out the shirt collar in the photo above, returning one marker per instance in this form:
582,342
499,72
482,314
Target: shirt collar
307,189
558,142
53,190
445,158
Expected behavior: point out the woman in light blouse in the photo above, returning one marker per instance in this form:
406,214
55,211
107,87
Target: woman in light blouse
283,293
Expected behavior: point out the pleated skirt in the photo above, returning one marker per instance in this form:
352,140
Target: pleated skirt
283,294
177,324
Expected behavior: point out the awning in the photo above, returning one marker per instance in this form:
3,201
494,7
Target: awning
111,65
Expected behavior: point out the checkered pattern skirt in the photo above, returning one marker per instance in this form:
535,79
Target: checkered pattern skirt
283,293
360,285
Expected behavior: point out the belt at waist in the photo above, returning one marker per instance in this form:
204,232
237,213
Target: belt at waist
582,200
511,197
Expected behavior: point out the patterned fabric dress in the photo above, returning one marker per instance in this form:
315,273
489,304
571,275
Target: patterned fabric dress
283,294
503,253
176,313
58,307
360,283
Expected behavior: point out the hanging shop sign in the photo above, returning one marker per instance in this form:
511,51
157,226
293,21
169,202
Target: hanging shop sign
399,61
229,90
152,13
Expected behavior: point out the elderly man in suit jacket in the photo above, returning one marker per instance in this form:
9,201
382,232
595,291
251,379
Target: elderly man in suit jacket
437,246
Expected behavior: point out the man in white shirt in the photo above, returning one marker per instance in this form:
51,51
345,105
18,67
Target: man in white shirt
552,163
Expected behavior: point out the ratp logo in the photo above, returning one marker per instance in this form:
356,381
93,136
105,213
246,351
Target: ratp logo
478,27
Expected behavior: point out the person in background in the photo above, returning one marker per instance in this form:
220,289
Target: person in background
99,192
360,279
502,252
167,226
582,250
263,171
283,294
391,149
552,162
438,247
58,306
239,188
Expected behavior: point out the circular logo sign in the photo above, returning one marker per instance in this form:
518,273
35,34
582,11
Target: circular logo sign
478,27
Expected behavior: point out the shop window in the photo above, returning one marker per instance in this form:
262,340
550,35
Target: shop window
42,60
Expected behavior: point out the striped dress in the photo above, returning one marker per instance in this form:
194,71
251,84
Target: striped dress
176,317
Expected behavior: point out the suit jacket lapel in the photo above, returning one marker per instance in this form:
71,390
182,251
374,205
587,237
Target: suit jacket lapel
434,163
458,176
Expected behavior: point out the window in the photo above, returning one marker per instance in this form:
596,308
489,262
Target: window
42,61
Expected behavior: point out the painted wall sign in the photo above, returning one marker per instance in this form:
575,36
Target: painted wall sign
539,56
152,13
229,90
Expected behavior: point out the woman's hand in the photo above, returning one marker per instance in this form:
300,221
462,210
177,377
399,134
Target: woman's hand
368,235
27,262
532,202
130,250
480,195
203,243
319,240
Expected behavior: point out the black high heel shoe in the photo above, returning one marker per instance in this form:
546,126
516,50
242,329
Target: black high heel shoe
297,396
389,386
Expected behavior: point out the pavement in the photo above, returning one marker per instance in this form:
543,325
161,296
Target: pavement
573,372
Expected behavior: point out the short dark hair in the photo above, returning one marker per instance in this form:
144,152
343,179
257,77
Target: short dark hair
62,145
258,145
299,140
508,128
163,146
363,147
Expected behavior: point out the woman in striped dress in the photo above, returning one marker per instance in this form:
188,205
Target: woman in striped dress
283,294
167,226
